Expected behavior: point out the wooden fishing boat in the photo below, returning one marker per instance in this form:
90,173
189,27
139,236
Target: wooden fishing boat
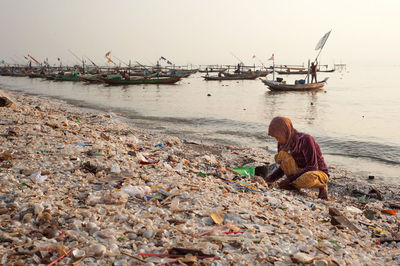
212,69
300,72
326,70
19,75
170,74
68,78
50,76
243,75
262,73
291,72
96,78
233,76
14,74
169,80
228,78
37,75
282,86
5,74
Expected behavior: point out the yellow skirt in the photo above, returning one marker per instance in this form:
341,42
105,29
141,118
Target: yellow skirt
310,179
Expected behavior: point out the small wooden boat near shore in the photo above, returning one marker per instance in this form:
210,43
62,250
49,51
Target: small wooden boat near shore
169,80
282,86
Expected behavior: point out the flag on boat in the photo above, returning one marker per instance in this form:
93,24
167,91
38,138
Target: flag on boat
108,54
34,59
271,58
169,62
26,57
254,56
322,42
59,59
109,60
163,58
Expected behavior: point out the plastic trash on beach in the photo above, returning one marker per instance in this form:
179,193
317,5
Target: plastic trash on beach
136,191
352,210
245,171
202,174
390,211
82,144
37,177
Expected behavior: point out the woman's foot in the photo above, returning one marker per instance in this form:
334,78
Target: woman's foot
323,193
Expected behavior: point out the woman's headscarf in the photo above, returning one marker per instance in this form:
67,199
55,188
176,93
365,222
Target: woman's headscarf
282,127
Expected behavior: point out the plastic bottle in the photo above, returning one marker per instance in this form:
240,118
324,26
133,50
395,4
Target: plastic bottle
136,191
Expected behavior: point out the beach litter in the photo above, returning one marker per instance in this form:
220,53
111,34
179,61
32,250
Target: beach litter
96,191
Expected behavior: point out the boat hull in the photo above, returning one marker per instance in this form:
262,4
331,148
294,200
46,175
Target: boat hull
170,80
301,72
297,72
227,76
68,78
279,86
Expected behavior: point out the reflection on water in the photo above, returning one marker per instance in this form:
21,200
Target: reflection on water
349,118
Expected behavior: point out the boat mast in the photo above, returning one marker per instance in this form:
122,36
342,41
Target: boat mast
77,58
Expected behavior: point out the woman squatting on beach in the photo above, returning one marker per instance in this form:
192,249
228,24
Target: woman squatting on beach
299,158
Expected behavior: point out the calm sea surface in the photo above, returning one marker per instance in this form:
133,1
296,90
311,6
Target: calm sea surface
355,119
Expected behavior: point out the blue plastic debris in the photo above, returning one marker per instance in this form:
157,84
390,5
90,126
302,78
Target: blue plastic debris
83,144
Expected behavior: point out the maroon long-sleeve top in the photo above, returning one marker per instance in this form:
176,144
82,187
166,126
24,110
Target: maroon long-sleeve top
307,154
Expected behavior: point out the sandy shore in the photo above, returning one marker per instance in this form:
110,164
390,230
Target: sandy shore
66,193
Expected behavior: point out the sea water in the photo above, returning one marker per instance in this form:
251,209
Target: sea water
355,118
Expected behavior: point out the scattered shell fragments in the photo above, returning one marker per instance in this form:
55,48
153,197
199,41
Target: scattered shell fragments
112,192
78,253
97,250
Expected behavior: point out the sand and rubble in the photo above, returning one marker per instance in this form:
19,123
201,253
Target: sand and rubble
67,180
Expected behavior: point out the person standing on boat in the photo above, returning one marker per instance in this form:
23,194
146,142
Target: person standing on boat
299,158
238,69
314,72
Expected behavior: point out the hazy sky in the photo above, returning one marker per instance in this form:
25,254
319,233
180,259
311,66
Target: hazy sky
202,31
